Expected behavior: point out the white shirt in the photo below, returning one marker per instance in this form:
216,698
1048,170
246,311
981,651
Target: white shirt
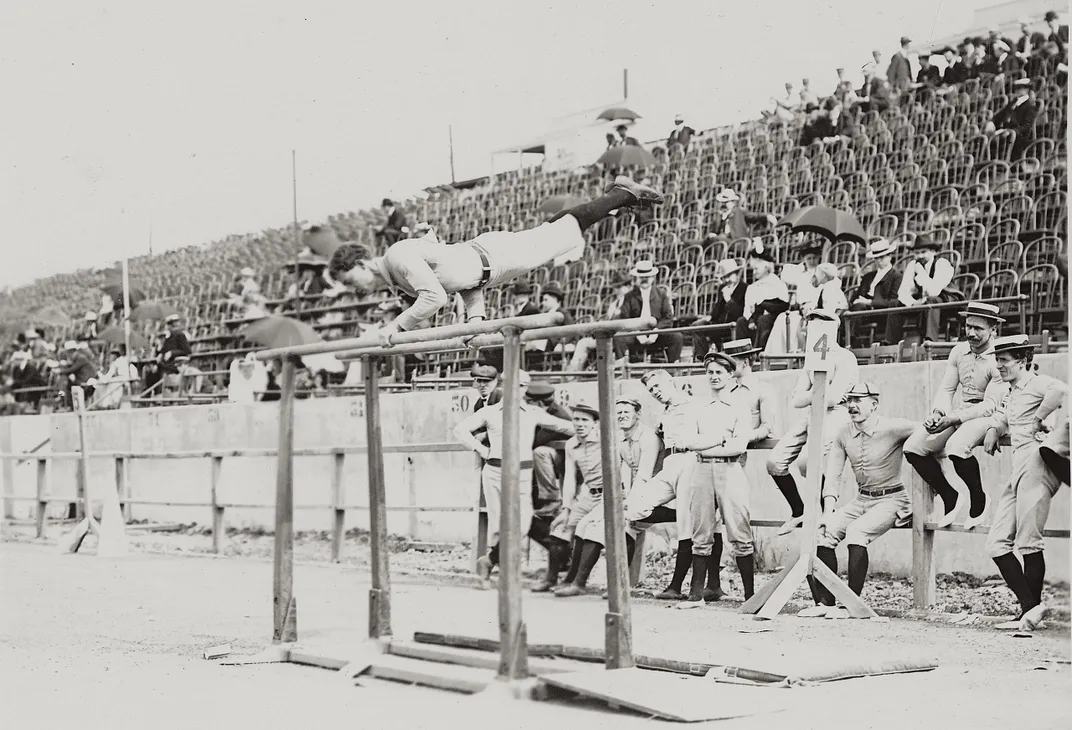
832,294
930,280
246,382
769,287
645,298
879,273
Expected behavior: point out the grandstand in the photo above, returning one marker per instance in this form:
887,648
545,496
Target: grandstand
925,166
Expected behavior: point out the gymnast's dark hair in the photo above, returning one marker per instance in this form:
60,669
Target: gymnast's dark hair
1026,355
346,257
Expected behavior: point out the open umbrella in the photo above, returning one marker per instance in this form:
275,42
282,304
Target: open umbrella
116,336
790,219
50,316
275,331
114,289
307,259
835,225
627,156
323,241
152,310
559,203
618,113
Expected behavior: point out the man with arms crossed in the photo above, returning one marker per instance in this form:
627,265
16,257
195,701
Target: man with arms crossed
490,418
954,432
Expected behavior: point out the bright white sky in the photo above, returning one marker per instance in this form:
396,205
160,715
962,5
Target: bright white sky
185,113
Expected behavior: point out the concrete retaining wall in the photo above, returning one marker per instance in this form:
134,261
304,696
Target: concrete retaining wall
426,479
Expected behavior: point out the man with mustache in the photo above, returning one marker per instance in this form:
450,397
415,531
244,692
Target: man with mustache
955,432
872,446
1024,504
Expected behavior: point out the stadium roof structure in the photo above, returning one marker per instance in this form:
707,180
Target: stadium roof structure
1005,16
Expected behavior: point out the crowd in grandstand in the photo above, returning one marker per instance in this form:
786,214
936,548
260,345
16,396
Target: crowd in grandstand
954,164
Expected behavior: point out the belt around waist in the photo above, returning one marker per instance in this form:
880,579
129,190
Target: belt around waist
485,271
675,450
718,459
973,401
594,491
883,491
498,463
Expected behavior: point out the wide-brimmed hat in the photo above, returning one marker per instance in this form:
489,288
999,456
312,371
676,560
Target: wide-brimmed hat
863,389
171,318
1012,343
521,287
644,268
925,242
740,348
309,260
880,247
585,408
554,289
982,310
727,195
728,266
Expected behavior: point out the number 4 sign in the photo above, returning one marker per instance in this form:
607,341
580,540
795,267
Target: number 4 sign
822,336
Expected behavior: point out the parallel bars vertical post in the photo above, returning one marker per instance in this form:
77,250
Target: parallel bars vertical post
619,624
380,593
285,628
513,663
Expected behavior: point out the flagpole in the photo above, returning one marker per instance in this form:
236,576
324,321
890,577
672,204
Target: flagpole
297,228
127,385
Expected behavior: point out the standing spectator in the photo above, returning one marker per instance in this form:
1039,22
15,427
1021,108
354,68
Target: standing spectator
926,281
648,300
876,61
878,288
1002,60
248,379
89,329
840,84
76,369
1058,32
807,96
1024,46
623,137
955,70
25,375
681,135
727,308
899,73
928,77
785,108
393,225
732,221
766,297
875,93
1017,116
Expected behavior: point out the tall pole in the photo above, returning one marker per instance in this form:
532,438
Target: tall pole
285,607
450,135
625,83
297,228
128,387
380,593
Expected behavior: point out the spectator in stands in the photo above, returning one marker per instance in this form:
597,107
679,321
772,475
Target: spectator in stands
537,352
875,93
955,70
88,333
38,347
611,141
828,295
784,109
1017,116
247,295
928,77
76,369
682,133
1046,62
764,299
878,288
927,280
807,96
248,380
309,280
523,304
1001,61
1026,44
392,227
176,345
648,300
119,376
623,137
899,73
1058,32
728,307
876,61
25,375
732,221
622,285
840,84
820,123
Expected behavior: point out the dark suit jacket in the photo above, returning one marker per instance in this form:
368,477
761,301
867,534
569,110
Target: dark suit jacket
737,224
878,93
899,73
957,73
392,229
661,306
729,310
528,310
546,436
628,141
930,76
80,367
681,136
885,290
1020,119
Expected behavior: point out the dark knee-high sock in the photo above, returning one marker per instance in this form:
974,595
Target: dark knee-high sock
746,564
787,485
699,576
592,212
1015,579
575,559
681,564
968,470
493,554
630,548
931,472
1035,574
558,555
857,568
714,565
819,592
589,557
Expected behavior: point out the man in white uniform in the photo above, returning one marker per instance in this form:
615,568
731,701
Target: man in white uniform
843,373
490,418
431,271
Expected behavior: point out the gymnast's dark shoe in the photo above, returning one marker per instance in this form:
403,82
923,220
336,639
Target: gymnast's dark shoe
670,595
643,193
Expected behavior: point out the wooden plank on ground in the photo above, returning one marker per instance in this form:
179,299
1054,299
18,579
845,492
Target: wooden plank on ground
483,644
669,696
430,674
477,658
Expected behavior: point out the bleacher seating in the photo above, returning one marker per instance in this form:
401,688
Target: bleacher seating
924,166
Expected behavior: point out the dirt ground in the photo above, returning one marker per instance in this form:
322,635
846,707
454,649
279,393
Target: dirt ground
118,642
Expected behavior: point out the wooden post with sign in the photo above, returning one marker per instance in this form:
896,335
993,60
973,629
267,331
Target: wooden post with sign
769,600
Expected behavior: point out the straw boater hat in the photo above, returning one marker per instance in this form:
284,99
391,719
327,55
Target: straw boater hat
644,269
1012,343
880,247
984,311
740,348
727,195
728,266
863,389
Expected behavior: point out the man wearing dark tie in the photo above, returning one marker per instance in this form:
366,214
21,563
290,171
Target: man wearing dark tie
878,288
1017,116
727,308
648,300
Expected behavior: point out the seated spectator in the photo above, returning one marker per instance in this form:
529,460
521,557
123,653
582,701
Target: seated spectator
247,295
523,306
727,308
1058,32
25,375
1017,116
309,280
927,280
1048,61
647,300
784,109
828,295
248,379
682,134
875,93
89,329
764,299
76,368
928,77
879,287
1025,46
120,376
623,284
392,229
623,136
1001,61
819,124
732,221
899,73
956,72
537,352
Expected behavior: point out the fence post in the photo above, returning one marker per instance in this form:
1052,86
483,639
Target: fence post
217,509
380,593
285,619
923,579
42,496
338,531
122,487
